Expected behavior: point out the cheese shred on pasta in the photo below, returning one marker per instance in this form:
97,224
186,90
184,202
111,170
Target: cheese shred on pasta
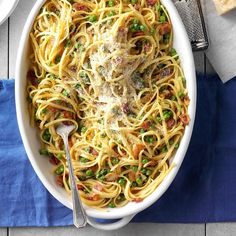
109,68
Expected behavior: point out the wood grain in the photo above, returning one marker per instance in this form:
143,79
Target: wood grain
3,231
221,229
17,21
130,230
4,50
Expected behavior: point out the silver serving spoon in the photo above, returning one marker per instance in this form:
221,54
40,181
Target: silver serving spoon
79,215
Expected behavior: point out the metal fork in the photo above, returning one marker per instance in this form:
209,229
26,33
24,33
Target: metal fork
79,215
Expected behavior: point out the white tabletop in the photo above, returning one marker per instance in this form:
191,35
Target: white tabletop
10,33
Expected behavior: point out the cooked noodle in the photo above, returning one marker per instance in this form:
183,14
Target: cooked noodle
109,68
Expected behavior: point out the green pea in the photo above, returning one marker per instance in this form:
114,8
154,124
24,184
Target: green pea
65,93
181,95
87,149
173,52
142,131
148,172
143,171
162,18
133,2
152,31
149,139
89,173
92,18
135,168
164,149
167,114
68,43
78,86
59,156
101,174
142,27
111,3
171,142
44,111
46,135
78,45
139,181
111,205
115,160
57,59
84,159
82,74
59,170
43,151
83,129
112,13
122,181
158,119
145,161
135,21
158,7
121,197
176,145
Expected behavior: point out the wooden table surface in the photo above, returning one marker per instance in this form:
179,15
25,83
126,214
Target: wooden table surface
10,33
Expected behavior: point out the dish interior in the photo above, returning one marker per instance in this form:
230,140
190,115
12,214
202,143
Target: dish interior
31,139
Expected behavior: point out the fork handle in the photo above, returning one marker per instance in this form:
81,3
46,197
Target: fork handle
79,216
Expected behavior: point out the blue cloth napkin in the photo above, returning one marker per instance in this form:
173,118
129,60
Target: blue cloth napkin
203,191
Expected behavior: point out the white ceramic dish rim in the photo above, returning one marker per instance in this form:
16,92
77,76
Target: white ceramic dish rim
7,7
181,43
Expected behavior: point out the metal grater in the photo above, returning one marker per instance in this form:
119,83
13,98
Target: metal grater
192,17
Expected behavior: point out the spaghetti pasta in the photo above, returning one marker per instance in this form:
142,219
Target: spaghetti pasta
108,67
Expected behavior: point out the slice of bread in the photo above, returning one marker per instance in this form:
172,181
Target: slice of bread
224,6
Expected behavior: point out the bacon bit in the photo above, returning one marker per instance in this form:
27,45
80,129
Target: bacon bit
94,197
70,143
147,98
146,124
138,199
170,123
79,7
132,176
94,152
122,30
151,2
32,77
67,114
53,160
80,187
53,109
147,47
138,33
166,72
111,177
126,108
165,28
186,100
167,94
93,168
137,148
185,119
98,187
73,68
152,163
137,7
118,61
59,180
